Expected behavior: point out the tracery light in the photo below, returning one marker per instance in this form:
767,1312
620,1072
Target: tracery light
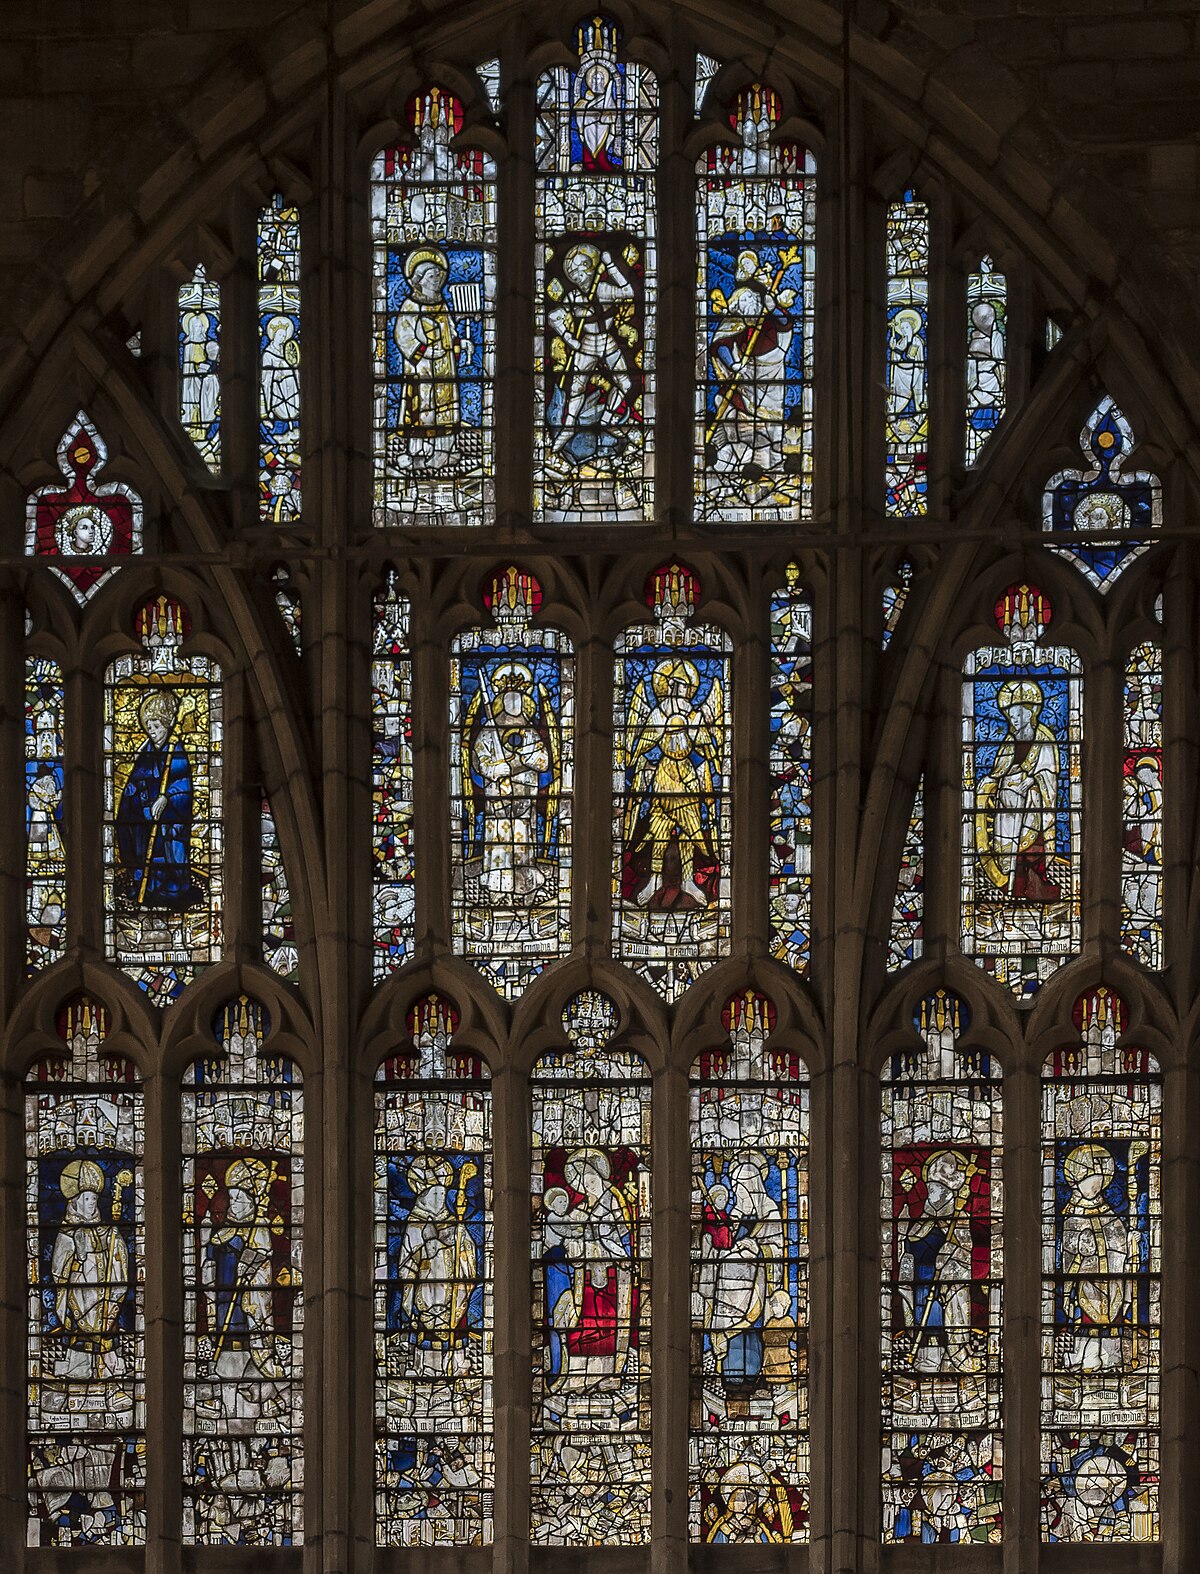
906,425
433,223
755,305
163,832
392,781
291,609
749,1457
84,1139
672,731
1112,513
45,842
243,1220
200,364
1022,797
512,714
278,919
706,70
1102,1222
1142,793
595,286
279,362
434,1464
791,773
906,939
895,598
591,1286
987,355
82,517
942,1271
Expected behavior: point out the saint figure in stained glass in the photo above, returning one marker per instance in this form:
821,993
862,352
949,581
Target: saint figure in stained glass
199,364
81,516
279,362
987,367
1110,510
907,394
671,786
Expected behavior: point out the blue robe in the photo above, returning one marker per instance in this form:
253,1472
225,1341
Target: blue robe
170,885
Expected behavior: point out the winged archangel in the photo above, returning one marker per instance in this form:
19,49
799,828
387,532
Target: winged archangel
672,756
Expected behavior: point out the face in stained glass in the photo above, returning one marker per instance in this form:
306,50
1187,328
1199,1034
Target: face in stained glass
433,218
672,731
45,849
749,1355
1022,798
1101,1261
942,1229
86,1450
1112,512
906,392
433,1292
243,1199
279,362
791,773
511,717
392,781
597,149
591,1287
1142,796
82,517
756,308
163,807
200,365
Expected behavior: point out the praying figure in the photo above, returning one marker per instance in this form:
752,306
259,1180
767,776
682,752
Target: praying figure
154,815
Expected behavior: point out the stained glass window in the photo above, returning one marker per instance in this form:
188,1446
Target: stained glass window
279,362
942,1233
1054,334
706,70
591,1286
163,840
243,1216
488,72
512,708
1112,512
287,599
86,1447
907,393
755,302
278,922
906,941
200,364
671,786
597,150
434,1466
1022,797
45,846
433,226
895,597
392,781
82,517
749,1356
791,773
1101,1363
987,365
1142,790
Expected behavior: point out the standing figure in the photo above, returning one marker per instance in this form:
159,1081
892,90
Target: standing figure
935,1268
511,763
748,352
154,815
1094,1247
89,1270
200,391
906,372
1016,803
1143,841
673,776
985,368
432,345
593,382
281,373
741,1255
437,1262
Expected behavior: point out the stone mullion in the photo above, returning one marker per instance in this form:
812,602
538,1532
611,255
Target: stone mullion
674,376
513,1318
670,1296
164,1292
1021,1316
14,1275
839,1359
515,316
1180,1400
337,1435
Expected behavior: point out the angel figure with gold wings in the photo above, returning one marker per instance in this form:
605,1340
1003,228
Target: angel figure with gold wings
512,774
672,759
